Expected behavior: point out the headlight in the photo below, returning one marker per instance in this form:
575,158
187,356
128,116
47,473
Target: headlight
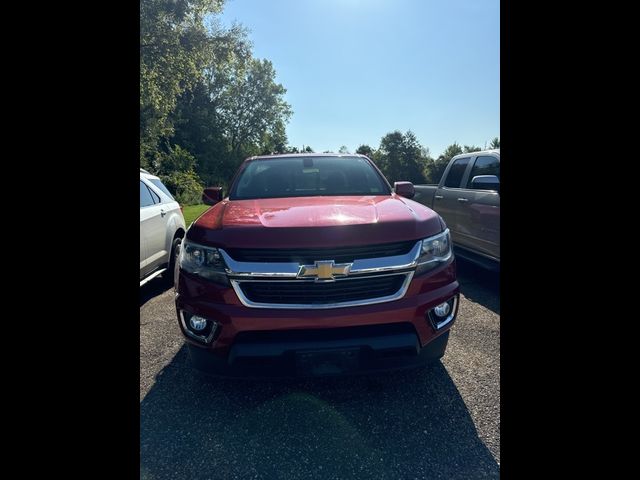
435,251
203,261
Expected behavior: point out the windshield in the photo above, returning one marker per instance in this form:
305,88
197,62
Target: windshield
308,176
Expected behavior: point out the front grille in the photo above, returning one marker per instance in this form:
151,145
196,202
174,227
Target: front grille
310,255
300,292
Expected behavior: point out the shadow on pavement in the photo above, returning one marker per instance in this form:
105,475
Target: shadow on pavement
479,285
155,287
403,425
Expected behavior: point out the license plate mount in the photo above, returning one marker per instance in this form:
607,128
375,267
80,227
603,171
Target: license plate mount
319,363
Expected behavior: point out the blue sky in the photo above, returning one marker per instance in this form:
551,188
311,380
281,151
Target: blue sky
355,70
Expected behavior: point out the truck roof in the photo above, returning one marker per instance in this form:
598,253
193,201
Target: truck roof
286,155
493,150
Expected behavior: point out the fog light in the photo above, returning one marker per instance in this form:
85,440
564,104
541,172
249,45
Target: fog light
199,328
197,323
443,314
442,310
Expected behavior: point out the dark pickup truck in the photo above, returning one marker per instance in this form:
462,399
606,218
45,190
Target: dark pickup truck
468,199
314,265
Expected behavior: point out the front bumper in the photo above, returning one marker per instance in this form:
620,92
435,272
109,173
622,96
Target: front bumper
341,355
280,342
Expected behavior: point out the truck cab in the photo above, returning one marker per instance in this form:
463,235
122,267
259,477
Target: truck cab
468,199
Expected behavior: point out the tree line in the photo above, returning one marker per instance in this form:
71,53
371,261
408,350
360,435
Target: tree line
206,104
402,157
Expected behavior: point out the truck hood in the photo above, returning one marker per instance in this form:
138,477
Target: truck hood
314,222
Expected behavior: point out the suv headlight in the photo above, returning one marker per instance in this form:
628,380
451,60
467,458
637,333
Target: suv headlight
203,261
435,251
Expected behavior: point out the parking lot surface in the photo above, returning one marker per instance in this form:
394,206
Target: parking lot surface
442,422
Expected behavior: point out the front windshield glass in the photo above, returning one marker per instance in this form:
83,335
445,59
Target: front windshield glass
308,176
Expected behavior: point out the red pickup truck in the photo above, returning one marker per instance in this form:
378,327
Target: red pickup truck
313,265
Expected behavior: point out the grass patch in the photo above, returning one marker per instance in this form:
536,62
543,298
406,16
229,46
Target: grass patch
191,212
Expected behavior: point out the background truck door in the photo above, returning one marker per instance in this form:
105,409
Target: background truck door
478,219
446,199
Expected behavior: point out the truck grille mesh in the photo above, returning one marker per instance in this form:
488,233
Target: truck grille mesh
322,293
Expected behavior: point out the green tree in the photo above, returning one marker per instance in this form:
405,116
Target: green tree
401,157
186,187
237,110
343,149
251,104
469,149
177,159
365,150
450,152
495,143
274,140
174,46
205,103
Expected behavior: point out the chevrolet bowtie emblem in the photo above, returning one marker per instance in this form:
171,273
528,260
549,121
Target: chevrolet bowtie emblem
324,270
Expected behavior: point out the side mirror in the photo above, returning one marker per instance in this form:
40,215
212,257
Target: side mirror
212,195
486,182
404,189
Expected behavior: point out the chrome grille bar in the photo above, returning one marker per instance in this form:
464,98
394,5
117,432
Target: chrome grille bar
290,269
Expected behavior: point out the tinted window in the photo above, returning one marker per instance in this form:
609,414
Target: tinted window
145,196
156,197
160,185
456,172
485,166
308,176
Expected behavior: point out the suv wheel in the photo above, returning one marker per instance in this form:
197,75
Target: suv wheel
169,275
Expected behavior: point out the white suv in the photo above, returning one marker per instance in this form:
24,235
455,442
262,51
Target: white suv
161,229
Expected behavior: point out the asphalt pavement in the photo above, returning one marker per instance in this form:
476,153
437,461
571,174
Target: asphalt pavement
442,422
